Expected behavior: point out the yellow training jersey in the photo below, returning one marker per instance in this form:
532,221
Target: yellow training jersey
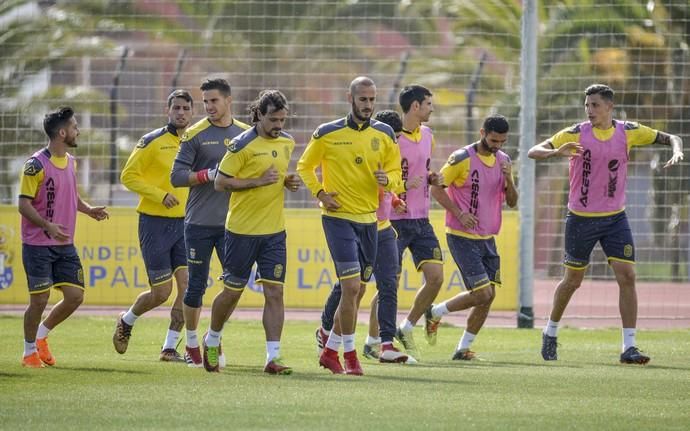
259,210
147,173
33,174
637,135
348,154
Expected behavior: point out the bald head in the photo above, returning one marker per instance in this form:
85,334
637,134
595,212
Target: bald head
361,82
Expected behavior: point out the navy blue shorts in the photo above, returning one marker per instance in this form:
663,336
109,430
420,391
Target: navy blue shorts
582,233
242,251
49,266
418,235
162,246
352,246
200,242
477,260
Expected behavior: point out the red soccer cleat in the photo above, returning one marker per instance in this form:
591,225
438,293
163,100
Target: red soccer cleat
352,365
329,360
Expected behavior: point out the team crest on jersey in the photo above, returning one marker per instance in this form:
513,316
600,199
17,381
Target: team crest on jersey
375,143
226,142
437,253
286,152
32,167
274,153
278,271
628,250
358,160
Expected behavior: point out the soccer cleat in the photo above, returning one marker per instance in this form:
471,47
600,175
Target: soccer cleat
44,351
210,357
389,354
192,357
321,340
431,325
32,361
549,346
329,360
633,356
276,366
371,351
122,333
170,355
352,365
407,341
464,355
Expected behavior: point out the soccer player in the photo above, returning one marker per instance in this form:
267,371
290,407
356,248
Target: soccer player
414,230
478,179
255,170
48,204
201,150
384,304
598,150
161,224
356,155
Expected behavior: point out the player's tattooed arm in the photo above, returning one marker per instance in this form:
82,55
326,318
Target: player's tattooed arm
676,144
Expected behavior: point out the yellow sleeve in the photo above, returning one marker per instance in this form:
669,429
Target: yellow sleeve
307,164
433,143
31,178
392,167
232,163
563,137
455,173
133,177
639,135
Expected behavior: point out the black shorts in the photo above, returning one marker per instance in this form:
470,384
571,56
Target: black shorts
477,260
352,245
242,251
162,246
418,235
582,234
49,266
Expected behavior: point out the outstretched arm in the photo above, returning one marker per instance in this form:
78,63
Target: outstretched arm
676,144
545,150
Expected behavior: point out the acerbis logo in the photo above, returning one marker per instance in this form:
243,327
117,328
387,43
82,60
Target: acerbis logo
586,172
613,178
474,194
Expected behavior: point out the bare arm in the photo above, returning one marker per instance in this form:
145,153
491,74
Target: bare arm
97,213
676,144
231,184
545,150
467,219
53,230
511,191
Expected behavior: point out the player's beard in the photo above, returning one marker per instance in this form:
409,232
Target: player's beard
72,142
486,147
359,114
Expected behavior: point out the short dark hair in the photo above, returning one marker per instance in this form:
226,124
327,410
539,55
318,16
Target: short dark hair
56,120
391,118
496,123
182,94
412,93
216,84
267,98
603,90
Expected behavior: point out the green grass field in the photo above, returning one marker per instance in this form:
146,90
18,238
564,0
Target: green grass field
92,387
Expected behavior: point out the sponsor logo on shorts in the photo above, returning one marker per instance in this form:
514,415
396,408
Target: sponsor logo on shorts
278,271
80,275
497,278
628,250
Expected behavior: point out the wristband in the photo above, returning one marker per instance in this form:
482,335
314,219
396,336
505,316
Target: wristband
202,176
317,193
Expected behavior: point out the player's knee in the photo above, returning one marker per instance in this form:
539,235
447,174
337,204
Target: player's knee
75,298
273,292
39,300
484,296
192,299
160,294
434,278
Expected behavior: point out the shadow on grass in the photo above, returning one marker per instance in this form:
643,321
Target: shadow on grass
650,366
311,375
102,370
491,364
